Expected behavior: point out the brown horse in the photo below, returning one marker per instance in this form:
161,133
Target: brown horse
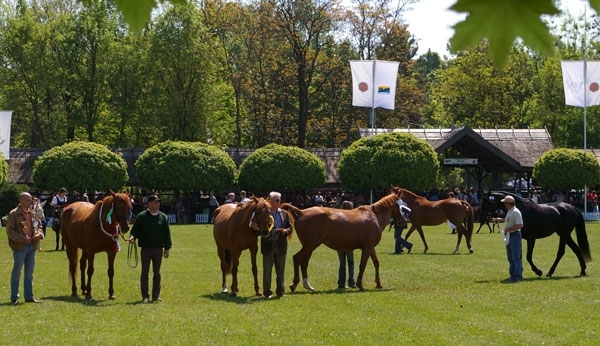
236,229
94,228
342,230
428,213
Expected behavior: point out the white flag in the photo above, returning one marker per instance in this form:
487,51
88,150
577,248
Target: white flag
575,87
5,121
374,92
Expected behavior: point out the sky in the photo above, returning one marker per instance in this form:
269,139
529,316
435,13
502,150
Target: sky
431,22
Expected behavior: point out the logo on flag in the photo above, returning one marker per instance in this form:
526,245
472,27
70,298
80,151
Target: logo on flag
581,83
374,83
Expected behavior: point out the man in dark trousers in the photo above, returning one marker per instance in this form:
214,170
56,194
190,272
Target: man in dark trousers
274,247
151,228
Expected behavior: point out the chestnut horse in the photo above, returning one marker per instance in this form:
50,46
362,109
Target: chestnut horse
94,228
428,213
342,230
236,229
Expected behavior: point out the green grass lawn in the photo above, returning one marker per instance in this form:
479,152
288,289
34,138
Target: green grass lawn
427,299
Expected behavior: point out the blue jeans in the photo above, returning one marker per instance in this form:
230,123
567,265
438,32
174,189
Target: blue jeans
400,242
25,257
513,253
346,256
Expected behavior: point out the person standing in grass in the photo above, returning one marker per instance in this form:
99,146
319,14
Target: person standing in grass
346,256
513,222
274,247
21,229
151,228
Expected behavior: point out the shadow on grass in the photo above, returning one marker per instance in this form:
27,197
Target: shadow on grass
77,299
226,297
538,278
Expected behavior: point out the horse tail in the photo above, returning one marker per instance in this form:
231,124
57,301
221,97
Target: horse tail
469,218
582,239
228,260
295,211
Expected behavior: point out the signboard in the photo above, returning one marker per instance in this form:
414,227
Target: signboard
5,121
460,161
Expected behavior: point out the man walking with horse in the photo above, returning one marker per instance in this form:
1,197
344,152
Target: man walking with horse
151,228
274,247
513,224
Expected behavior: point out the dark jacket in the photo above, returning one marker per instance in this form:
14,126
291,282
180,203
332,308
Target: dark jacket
277,240
152,231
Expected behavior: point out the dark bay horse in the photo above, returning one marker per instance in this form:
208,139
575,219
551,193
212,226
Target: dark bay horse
94,228
431,213
342,230
543,220
236,229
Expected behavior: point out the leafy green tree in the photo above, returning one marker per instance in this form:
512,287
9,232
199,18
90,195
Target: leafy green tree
185,166
3,169
564,169
9,196
277,167
380,161
82,166
182,68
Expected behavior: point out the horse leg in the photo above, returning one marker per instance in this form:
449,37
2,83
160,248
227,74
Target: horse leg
224,267
301,259
111,274
577,252
411,230
361,269
559,254
235,263
253,251
376,265
90,273
460,232
72,253
530,246
423,239
82,268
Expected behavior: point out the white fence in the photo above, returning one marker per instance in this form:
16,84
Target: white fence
592,216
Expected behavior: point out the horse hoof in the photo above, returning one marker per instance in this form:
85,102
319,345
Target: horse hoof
538,272
112,297
583,273
234,294
379,287
292,288
307,285
470,251
88,298
74,294
224,290
361,289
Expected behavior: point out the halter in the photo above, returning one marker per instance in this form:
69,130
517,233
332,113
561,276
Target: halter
113,236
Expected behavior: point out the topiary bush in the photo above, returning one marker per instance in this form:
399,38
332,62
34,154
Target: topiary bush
564,169
277,167
83,166
378,162
186,166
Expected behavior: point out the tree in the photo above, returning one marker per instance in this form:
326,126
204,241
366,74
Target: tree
82,166
277,167
187,166
182,74
564,169
384,160
3,169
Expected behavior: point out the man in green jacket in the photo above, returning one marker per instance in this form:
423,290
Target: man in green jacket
151,228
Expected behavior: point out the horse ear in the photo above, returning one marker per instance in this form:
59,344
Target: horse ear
112,193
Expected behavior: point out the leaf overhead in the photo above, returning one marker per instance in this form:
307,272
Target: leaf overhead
501,22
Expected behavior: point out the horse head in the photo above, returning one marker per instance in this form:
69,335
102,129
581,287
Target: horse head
261,221
121,209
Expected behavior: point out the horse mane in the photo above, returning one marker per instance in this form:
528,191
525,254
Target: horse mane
384,203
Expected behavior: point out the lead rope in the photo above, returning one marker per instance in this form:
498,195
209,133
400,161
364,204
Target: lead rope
132,248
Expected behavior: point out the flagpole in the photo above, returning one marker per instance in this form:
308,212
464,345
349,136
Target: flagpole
372,118
585,99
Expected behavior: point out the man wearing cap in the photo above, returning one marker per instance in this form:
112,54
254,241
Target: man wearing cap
151,228
513,224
